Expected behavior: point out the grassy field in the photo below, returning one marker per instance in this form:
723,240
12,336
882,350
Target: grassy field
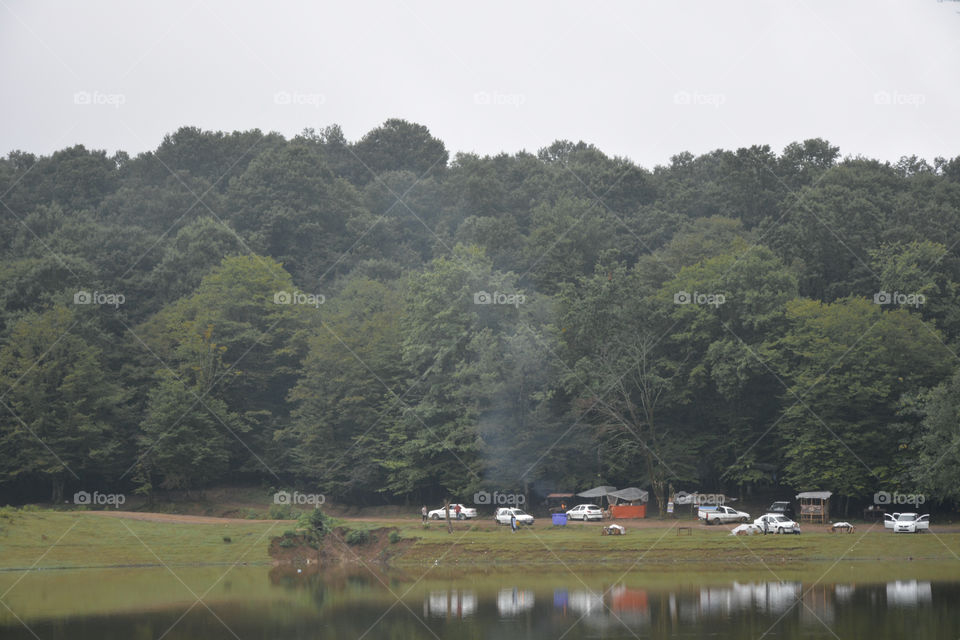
577,543
56,539
178,561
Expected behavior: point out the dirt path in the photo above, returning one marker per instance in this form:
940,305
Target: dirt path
176,518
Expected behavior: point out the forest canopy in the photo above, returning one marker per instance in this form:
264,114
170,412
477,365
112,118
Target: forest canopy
384,321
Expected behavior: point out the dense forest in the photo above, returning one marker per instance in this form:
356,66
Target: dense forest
380,321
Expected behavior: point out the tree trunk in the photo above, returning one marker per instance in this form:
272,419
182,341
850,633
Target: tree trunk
57,493
446,511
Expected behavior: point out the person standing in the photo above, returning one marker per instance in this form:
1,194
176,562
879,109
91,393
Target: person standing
423,512
456,510
513,522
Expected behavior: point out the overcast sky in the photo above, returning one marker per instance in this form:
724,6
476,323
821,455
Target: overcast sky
642,80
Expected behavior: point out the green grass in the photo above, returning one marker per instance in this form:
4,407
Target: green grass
576,544
56,539
541,559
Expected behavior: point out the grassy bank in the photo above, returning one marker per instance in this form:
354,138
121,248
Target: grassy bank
57,540
579,544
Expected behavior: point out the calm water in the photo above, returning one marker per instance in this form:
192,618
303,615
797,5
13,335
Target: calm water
253,602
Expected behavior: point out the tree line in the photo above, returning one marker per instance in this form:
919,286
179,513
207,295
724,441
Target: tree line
383,322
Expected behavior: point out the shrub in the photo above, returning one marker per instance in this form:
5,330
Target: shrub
282,512
358,536
316,523
394,537
227,539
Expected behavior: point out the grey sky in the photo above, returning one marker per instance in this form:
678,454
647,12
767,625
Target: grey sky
642,80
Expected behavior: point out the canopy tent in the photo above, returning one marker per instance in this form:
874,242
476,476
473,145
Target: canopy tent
631,494
598,492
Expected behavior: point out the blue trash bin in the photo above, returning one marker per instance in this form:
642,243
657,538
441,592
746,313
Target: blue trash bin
559,519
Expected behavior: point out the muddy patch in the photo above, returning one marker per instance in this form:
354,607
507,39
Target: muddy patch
341,546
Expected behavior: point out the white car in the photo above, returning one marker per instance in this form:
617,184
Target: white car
722,515
907,522
465,513
777,523
585,512
503,516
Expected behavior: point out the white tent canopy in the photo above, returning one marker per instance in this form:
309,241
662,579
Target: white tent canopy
630,494
597,492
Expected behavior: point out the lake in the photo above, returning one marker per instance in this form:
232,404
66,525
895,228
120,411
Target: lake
277,602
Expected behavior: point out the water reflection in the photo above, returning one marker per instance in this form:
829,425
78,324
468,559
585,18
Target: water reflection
450,604
512,601
908,593
307,606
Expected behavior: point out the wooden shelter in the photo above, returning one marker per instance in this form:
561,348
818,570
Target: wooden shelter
814,506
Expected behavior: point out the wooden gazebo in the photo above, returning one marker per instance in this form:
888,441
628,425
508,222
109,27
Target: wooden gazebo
814,506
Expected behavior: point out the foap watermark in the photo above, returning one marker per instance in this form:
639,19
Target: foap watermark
897,498
915,300
713,499
499,499
711,299
299,297
498,297
898,98
295,98
496,98
99,297
715,100
98,98
85,498
297,498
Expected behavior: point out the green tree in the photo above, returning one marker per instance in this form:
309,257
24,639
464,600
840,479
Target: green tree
937,468
848,364
60,408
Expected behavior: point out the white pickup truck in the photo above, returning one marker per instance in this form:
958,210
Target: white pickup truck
721,515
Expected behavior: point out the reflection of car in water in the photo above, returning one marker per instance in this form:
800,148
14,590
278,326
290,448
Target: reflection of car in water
450,604
771,597
908,593
511,601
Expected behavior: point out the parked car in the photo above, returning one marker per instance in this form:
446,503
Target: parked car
585,512
907,522
783,508
777,523
722,514
465,513
503,515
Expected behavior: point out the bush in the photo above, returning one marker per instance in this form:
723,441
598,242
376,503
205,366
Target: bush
394,537
227,539
287,542
316,524
358,536
282,512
